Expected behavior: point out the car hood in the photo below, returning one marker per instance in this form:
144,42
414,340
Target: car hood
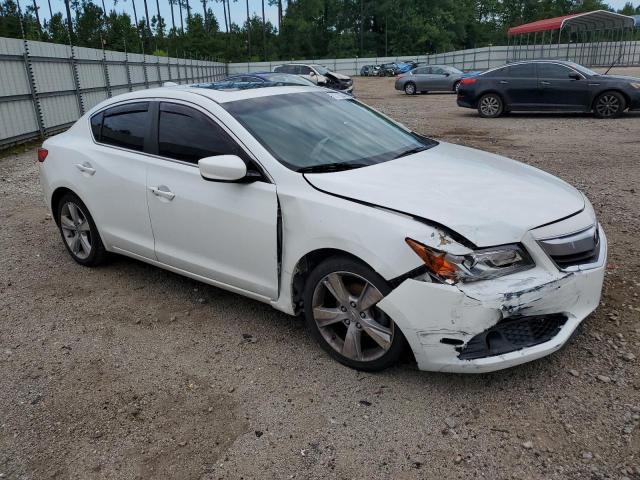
488,199
617,78
338,76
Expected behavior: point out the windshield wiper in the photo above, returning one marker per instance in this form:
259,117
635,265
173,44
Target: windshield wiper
411,151
330,167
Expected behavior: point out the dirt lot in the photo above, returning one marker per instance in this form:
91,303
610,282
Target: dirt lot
128,371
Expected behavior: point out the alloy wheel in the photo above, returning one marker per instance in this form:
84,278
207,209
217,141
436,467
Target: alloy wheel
76,230
345,312
608,106
410,89
490,106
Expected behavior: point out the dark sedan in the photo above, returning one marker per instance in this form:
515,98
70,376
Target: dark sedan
548,85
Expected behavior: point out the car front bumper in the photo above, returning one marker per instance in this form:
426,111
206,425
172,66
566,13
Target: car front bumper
450,327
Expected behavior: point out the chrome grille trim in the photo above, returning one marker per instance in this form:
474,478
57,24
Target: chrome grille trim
580,250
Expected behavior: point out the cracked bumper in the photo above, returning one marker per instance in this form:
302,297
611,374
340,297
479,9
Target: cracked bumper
427,312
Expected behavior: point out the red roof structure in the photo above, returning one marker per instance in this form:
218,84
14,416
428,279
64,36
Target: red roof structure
598,19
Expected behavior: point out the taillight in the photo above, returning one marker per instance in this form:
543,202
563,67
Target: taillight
42,154
468,81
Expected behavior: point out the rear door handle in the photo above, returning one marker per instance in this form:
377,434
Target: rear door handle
545,83
503,82
86,167
163,191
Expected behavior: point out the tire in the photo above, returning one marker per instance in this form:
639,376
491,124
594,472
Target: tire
609,105
456,84
410,88
339,306
490,105
78,230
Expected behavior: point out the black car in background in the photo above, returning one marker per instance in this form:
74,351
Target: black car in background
548,85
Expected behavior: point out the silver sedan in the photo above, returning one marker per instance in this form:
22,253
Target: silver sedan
429,78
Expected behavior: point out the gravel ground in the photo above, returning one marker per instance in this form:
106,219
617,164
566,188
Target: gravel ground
128,371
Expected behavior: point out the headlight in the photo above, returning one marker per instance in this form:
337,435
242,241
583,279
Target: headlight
482,264
635,85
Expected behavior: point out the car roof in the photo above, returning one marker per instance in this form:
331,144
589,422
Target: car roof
191,93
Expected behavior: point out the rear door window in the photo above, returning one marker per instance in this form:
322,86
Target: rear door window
188,135
126,126
524,70
553,71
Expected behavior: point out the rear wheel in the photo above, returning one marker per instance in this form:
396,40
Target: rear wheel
79,231
490,105
410,88
609,105
340,301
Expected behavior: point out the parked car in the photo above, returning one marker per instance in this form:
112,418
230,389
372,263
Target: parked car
549,85
443,78
256,80
282,79
404,67
369,70
319,75
284,195
388,70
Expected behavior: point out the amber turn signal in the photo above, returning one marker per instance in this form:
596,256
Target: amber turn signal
434,260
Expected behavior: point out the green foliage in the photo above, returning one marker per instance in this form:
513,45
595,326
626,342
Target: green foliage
308,29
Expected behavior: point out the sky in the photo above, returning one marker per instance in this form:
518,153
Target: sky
238,9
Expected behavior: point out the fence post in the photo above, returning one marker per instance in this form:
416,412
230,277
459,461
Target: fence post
489,58
32,88
105,69
159,74
144,71
126,68
76,80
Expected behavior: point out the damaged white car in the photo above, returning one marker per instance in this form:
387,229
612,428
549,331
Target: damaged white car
306,199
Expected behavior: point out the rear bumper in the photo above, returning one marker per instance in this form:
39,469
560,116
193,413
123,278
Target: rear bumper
463,101
451,328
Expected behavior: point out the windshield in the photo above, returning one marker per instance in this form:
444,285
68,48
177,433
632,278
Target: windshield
320,69
323,131
454,70
584,70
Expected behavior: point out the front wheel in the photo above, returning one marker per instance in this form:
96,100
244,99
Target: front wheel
456,86
340,305
490,105
609,105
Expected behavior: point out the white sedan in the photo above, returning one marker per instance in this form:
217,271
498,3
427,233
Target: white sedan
308,200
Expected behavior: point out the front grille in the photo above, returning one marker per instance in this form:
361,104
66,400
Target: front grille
512,334
580,248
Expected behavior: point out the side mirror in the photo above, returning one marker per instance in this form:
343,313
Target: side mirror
574,76
447,74
312,74
222,168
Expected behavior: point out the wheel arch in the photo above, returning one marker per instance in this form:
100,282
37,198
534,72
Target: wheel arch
57,194
307,263
626,97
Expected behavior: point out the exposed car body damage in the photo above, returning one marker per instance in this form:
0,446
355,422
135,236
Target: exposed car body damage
462,311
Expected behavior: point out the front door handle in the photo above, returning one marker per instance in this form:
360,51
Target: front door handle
163,191
503,82
86,167
545,83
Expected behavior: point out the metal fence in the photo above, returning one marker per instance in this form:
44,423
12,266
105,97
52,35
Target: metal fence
45,87
627,54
